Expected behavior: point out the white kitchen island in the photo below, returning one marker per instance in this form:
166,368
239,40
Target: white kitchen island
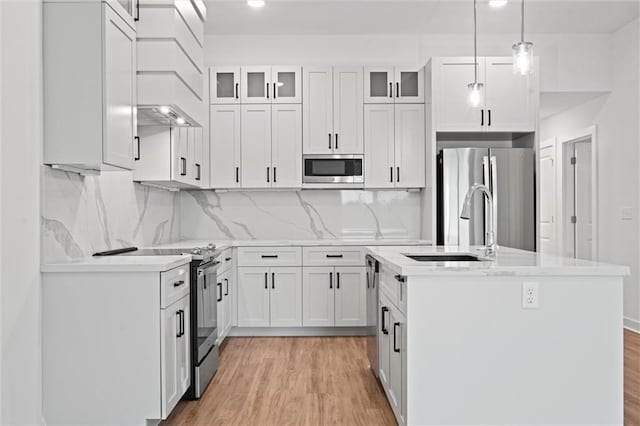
523,339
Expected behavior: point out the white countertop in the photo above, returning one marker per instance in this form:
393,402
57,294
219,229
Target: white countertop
508,262
220,244
117,264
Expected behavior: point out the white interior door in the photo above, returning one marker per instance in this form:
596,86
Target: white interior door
548,196
287,85
286,297
410,171
318,296
224,85
350,297
583,204
253,297
348,112
378,85
379,136
318,110
256,146
286,146
225,146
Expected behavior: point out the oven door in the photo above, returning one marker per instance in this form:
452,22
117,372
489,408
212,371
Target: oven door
333,169
207,300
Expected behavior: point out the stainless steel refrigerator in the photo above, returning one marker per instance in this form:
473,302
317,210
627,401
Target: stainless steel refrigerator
509,174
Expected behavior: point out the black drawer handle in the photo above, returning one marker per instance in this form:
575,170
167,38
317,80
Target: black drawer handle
395,333
220,289
335,256
226,259
383,326
269,256
178,283
399,278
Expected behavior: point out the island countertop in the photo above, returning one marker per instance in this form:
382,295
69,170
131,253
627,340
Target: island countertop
508,262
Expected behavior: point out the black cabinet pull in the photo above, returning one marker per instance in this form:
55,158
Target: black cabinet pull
329,140
136,17
390,90
268,175
137,157
399,278
269,256
391,174
398,174
183,166
226,259
330,280
273,280
275,92
237,174
367,279
266,280
397,90
267,90
198,171
179,323
395,333
489,122
178,283
336,141
338,280
204,282
237,90
383,326
219,285
335,256
274,176
227,292
482,117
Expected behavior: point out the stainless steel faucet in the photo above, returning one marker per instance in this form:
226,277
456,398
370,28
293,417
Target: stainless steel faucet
491,224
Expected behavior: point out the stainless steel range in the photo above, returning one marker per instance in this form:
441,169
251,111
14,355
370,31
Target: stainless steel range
204,290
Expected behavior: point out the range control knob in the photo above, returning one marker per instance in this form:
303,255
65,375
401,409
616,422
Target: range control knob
211,246
196,251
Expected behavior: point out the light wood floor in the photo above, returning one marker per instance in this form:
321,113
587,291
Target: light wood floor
318,381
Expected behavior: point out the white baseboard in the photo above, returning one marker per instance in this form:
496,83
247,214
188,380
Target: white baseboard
632,324
296,331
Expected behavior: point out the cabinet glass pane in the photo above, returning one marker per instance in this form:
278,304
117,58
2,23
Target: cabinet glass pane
286,84
224,85
127,4
379,84
409,84
256,85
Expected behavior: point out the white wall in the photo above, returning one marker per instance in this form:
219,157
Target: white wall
569,62
21,152
616,117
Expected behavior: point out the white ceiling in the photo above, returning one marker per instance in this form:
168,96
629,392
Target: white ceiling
315,17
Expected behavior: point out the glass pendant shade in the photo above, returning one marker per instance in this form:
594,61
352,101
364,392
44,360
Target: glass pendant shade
475,95
523,58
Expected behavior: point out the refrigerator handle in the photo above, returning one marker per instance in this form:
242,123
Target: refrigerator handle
486,176
494,192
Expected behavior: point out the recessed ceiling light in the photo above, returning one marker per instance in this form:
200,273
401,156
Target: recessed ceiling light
164,109
180,120
497,3
255,3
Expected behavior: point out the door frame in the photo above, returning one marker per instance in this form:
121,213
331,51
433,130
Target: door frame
589,133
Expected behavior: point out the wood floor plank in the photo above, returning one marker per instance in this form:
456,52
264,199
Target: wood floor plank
319,381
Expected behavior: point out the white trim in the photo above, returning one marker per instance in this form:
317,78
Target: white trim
297,331
632,325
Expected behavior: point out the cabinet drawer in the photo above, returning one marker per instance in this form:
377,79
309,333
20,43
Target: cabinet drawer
174,285
269,256
394,287
226,259
333,256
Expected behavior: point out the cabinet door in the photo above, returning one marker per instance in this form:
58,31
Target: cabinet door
286,297
229,298
394,389
256,146
452,109
253,297
318,297
286,146
170,356
221,306
351,297
348,111
184,347
409,85
384,341
379,149
510,101
410,146
255,85
286,85
318,111
225,146
180,154
378,85
224,85
119,90
198,156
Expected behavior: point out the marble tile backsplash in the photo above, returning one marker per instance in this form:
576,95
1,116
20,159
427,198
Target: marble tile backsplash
300,215
83,215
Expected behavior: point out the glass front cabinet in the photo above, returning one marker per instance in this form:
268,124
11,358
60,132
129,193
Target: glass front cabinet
225,85
278,85
388,85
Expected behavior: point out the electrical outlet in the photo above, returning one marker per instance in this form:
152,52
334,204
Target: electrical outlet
530,295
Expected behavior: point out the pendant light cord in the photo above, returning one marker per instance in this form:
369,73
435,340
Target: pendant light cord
475,41
522,26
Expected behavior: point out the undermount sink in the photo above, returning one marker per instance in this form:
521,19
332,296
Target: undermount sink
445,258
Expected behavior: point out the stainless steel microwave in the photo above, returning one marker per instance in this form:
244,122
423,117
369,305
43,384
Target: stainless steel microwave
340,169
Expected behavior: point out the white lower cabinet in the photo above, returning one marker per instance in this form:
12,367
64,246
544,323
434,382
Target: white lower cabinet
269,296
334,296
225,290
175,357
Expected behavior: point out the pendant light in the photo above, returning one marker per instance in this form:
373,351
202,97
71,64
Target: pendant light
475,88
523,52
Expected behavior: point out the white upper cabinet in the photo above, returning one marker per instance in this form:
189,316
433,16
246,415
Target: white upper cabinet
225,146
286,146
379,136
410,146
333,110
89,87
256,146
264,84
224,85
509,101
387,85
510,98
